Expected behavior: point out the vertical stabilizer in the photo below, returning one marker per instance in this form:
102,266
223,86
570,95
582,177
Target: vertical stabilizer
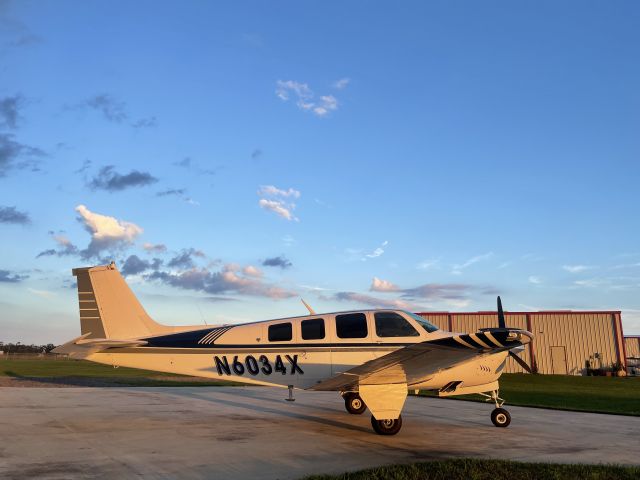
108,307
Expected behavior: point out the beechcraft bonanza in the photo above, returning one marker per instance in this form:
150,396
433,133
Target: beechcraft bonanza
372,357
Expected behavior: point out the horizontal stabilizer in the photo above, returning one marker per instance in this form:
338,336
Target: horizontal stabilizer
82,347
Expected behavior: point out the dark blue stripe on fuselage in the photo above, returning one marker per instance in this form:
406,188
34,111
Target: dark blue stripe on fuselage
191,339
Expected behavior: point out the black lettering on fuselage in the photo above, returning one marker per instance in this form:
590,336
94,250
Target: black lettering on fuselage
254,367
294,364
222,365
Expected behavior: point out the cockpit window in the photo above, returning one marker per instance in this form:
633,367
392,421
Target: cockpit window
390,324
424,323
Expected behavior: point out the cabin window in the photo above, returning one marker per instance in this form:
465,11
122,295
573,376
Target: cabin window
313,329
390,324
280,332
351,325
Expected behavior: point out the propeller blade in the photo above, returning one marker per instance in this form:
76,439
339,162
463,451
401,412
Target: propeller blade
500,314
520,361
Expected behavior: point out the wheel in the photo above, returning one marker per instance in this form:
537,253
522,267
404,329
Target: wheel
500,417
386,427
354,404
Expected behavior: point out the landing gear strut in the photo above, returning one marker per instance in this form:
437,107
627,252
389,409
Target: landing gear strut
353,403
499,416
386,427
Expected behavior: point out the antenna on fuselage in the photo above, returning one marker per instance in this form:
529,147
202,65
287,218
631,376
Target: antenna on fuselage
311,312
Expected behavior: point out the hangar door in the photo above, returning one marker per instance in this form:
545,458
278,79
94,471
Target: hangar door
559,360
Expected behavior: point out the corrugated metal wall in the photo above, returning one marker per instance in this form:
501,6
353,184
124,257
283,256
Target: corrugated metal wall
582,336
563,342
632,347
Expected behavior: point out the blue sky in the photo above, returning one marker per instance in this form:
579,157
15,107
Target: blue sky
234,157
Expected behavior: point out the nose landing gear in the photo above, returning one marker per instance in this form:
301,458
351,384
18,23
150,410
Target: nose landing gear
500,417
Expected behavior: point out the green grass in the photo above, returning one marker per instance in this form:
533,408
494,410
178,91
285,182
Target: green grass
471,469
49,369
618,395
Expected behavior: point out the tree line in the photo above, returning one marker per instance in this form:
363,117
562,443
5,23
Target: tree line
23,348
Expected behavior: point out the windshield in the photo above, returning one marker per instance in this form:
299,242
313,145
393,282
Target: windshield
424,323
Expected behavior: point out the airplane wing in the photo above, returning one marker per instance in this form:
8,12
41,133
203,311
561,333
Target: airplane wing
417,362
82,347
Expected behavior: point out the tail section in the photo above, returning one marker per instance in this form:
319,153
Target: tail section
108,307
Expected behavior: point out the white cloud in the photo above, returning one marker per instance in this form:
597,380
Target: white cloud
535,280
104,227
341,84
379,285
284,88
107,233
577,268
457,268
327,103
270,190
305,99
279,208
378,251
275,203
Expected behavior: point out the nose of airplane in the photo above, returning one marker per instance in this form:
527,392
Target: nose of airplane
519,336
507,336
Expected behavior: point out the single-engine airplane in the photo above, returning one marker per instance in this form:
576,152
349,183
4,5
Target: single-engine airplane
372,357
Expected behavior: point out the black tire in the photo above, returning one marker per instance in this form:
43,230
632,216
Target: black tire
500,418
354,404
386,427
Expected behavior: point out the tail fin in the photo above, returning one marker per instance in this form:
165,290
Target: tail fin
108,307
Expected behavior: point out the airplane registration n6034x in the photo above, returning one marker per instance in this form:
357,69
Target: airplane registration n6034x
371,357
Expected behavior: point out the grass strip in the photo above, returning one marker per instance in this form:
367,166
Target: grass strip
611,395
477,469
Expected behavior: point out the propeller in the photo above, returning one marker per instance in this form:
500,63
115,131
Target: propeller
500,314
501,325
521,362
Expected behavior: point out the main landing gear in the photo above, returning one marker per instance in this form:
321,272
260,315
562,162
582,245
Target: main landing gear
386,427
499,416
356,406
353,403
